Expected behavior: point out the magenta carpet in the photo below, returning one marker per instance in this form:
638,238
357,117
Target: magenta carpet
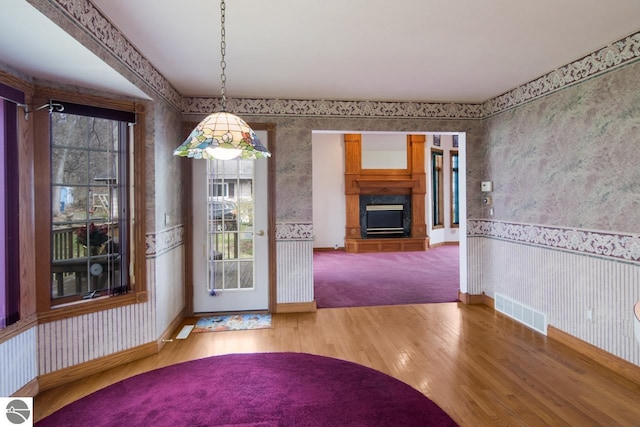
263,389
386,278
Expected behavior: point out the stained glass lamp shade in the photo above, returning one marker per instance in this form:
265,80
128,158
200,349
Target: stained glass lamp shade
222,136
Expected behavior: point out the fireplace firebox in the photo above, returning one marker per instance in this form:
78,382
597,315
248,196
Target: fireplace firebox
385,216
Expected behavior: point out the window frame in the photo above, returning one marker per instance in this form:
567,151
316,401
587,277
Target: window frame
48,309
455,189
437,190
10,291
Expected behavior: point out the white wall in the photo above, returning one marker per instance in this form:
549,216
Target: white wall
384,151
447,233
329,204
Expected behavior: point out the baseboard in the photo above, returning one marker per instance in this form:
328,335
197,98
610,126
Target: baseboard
435,245
168,333
598,355
476,299
297,307
30,389
341,248
76,372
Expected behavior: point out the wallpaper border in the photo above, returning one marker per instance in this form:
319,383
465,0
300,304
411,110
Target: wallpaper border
328,108
619,246
89,18
97,26
622,52
294,231
164,240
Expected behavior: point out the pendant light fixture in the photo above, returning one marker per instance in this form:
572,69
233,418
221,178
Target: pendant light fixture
222,135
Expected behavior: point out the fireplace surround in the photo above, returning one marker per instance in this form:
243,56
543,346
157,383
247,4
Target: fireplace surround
388,188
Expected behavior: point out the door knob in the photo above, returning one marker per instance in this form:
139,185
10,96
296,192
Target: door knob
260,233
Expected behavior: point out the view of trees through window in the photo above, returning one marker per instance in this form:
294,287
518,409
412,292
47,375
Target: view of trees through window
88,205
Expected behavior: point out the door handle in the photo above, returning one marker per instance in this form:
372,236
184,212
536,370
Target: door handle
260,233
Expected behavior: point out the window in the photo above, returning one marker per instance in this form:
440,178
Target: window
90,203
437,186
89,153
9,227
455,215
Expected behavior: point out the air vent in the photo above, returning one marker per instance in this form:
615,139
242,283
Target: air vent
526,315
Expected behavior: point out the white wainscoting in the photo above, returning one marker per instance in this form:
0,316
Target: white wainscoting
586,296
79,339
294,271
18,362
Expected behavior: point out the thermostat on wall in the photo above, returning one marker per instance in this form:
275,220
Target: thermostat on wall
486,186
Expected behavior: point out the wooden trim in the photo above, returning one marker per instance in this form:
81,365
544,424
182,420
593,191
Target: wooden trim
598,355
17,83
602,357
76,372
387,244
410,181
329,249
42,149
30,389
435,245
83,307
139,222
475,299
42,205
297,307
187,195
271,213
440,189
451,154
169,332
271,218
21,326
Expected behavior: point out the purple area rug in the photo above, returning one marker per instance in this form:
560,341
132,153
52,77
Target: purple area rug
258,389
386,278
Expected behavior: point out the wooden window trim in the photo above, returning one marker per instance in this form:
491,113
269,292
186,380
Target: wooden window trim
440,191
453,153
48,312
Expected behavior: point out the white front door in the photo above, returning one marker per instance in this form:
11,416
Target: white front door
231,268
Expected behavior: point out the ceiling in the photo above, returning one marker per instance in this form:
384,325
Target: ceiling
405,50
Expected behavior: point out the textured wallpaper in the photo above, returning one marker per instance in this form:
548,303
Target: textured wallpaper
570,159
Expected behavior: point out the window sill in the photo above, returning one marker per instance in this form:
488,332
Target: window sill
78,308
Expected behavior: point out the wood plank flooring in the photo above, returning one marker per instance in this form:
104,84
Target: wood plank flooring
481,367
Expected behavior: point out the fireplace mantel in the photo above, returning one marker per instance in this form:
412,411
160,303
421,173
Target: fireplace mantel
410,181
377,183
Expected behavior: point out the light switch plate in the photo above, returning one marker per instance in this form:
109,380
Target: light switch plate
486,186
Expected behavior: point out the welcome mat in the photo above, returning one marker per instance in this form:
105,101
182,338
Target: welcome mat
233,322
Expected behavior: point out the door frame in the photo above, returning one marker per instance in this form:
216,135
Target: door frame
187,171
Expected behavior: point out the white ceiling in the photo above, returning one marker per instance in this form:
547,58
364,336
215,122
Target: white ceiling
406,50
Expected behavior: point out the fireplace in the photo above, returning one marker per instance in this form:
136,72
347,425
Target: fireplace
385,216
391,194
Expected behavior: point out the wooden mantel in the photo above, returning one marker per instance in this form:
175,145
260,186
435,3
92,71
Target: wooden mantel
410,181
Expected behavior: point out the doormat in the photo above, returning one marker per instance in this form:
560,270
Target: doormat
233,322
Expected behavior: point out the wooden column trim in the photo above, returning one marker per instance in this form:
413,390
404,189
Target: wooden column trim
410,181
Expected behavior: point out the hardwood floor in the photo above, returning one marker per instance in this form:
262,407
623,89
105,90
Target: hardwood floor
481,367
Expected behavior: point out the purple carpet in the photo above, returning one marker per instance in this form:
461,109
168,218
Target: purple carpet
386,278
263,389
